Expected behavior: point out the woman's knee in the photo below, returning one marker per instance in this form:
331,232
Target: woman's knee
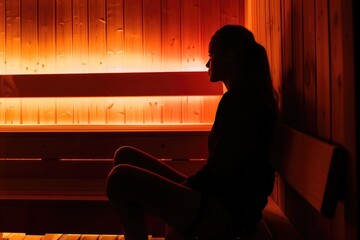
123,154
118,180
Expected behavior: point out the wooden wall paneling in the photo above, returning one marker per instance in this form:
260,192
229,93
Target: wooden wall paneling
115,35
210,22
12,38
275,54
2,36
310,123
276,44
286,82
102,145
230,12
337,74
343,121
112,84
97,35
133,20
152,34
296,112
64,36
323,78
29,36
260,20
288,97
253,7
171,34
81,36
190,35
248,14
46,41
268,30
242,12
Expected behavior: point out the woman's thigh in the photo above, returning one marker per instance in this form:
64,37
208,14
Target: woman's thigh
174,203
136,157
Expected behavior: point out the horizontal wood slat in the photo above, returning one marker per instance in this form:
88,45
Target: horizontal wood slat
102,145
114,84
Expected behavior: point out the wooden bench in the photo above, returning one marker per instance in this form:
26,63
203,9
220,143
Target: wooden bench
64,196
312,167
38,196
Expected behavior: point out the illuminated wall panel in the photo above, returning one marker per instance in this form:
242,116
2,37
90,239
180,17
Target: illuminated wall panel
70,36
20,113
158,99
45,37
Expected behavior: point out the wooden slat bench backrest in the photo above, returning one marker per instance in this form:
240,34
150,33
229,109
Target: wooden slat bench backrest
313,167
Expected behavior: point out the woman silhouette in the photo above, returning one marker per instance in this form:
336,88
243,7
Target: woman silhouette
225,198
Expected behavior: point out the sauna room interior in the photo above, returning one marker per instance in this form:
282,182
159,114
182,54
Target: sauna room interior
79,78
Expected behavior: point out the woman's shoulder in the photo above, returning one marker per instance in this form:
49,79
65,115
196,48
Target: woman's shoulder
237,97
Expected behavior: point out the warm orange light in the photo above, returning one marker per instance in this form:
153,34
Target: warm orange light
77,112
39,37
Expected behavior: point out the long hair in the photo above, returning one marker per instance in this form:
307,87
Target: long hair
253,61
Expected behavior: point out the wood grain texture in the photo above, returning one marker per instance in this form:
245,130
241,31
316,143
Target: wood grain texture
12,35
81,35
323,78
314,168
47,37
2,35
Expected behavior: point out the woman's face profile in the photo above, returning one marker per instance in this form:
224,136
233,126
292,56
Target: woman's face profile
216,63
221,62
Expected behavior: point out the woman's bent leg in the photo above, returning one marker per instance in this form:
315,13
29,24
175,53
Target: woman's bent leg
135,191
135,157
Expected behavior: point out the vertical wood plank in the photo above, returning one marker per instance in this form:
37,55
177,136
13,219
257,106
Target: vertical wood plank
230,12
80,36
12,36
276,50
97,36
343,119
260,19
46,44
310,123
171,34
242,12
115,36
29,35
133,34
286,61
254,18
338,66
268,29
210,22
322,70
2,36
64,36
297,110
249,14
152,34
190,27
288,85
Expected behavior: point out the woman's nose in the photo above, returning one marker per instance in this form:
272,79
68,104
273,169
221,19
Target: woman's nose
208,64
